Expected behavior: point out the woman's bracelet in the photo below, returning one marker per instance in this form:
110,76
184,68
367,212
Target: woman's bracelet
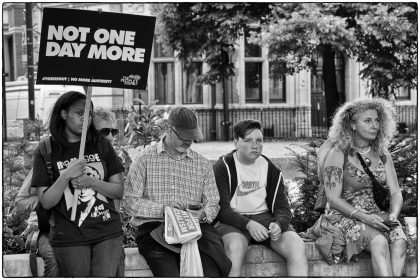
352,213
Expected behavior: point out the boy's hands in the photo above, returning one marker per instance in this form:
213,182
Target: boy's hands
257,231
274,231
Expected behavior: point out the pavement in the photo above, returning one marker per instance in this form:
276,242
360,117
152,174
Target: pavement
277,149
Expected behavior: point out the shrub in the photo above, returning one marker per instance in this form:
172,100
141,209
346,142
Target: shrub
304,215
16,165
403,150
146,126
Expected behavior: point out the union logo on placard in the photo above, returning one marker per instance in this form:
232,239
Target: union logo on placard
131,80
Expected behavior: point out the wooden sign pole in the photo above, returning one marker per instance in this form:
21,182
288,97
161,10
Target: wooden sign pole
82,148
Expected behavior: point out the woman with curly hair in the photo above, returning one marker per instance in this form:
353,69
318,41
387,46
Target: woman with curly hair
364,126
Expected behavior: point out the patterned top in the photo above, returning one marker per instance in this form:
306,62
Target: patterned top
157,178
357,191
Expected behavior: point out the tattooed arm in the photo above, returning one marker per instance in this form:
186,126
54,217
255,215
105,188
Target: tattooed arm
333,183
332,174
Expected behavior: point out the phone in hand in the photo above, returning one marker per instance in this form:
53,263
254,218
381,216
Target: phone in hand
194,207
391,224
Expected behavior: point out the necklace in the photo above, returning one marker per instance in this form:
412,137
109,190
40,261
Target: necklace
365,152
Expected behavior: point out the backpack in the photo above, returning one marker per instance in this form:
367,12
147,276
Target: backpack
43,214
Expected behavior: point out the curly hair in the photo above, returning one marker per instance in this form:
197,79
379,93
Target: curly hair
103,114
341,132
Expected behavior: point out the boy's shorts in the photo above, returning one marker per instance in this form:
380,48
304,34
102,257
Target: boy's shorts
264,218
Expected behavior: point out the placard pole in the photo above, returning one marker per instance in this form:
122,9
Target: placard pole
82,148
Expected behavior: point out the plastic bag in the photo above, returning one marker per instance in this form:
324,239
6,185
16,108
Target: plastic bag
190,260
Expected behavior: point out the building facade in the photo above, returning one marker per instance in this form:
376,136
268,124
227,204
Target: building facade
288,105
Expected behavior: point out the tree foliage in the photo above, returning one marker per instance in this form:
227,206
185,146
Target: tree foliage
387,45
382,36
206,30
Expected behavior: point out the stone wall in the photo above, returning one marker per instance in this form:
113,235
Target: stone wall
259,262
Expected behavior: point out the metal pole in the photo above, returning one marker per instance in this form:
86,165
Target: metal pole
213,128
4,115
29,52
225,111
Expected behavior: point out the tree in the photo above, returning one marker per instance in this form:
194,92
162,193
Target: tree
207,30
382,36
387,45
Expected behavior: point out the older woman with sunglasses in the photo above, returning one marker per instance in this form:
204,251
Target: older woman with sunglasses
106,123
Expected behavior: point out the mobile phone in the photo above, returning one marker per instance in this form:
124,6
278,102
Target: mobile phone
194,207
391,224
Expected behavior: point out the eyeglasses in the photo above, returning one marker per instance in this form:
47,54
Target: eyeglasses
177,135
105,131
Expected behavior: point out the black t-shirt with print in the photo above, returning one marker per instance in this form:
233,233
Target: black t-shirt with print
96,216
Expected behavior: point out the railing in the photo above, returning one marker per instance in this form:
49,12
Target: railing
279,123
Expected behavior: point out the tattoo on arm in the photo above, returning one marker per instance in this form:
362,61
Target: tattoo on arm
332,176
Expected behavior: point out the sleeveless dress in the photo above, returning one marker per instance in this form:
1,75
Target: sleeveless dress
357,191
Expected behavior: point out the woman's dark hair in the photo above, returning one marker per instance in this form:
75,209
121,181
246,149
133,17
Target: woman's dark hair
57,123
241,128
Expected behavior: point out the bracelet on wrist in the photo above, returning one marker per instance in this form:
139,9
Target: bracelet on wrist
352,213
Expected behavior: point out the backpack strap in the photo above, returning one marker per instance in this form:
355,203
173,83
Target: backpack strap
45,149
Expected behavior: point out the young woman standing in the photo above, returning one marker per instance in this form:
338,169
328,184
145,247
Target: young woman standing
90,245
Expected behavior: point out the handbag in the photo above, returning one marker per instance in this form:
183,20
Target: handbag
380,194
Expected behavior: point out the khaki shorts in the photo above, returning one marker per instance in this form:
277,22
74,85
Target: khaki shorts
264,218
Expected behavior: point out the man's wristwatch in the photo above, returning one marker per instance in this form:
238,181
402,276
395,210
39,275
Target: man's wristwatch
204,219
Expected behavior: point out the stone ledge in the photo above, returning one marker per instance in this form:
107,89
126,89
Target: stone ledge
259,262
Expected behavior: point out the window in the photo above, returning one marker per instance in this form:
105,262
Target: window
403,94
192,92
253,81
164,63
165,82
277,88
253,71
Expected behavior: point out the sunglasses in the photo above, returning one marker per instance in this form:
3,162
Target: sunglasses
105,131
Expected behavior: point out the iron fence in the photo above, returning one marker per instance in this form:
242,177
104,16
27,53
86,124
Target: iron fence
278,123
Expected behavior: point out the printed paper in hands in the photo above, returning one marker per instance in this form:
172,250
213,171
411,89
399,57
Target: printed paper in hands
180,226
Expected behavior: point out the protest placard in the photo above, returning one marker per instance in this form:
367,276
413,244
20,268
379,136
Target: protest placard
95,48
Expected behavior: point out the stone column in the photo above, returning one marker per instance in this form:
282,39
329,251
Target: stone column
303,104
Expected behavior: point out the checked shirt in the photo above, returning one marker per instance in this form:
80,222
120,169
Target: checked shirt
156,179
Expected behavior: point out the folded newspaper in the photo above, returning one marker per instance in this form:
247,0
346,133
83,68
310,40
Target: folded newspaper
180,226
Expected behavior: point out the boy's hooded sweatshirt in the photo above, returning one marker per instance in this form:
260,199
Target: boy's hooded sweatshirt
227,182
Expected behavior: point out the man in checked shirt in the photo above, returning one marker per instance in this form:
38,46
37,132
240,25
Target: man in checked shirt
171,173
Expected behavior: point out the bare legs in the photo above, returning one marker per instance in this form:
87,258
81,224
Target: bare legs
235,245
398,254
290,246
387,260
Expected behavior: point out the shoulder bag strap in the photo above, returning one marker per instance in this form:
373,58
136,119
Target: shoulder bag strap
367,170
